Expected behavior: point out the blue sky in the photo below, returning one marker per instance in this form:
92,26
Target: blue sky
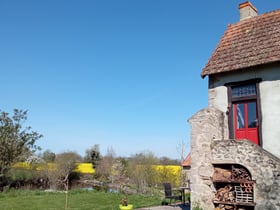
124,74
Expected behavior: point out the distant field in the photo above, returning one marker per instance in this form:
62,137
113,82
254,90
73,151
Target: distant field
78,200
81,167
87,167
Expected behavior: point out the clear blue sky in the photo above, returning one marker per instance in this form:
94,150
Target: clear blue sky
124,74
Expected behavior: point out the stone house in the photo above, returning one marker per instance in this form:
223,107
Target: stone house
235,150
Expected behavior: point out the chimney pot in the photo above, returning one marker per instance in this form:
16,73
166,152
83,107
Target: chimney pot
247,10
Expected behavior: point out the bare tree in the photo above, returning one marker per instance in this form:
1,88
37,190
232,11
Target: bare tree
105,166
181,149
65,164
141,170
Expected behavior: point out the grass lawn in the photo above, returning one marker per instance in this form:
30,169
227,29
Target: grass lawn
78,200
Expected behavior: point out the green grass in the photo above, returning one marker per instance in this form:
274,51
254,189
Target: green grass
78,200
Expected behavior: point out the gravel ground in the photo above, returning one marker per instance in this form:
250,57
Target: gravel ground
169,207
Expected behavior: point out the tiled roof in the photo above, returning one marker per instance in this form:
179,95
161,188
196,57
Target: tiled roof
187,161
250,42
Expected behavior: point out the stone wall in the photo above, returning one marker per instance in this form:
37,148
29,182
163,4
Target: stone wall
205,126
209,147
263,166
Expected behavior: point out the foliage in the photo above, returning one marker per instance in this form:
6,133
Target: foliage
168,161
48,156
78,199
93,155
188,196
146,157
16,142
20,178
66,162
21,174
124,201
141,170
168,173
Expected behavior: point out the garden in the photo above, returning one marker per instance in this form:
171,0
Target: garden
43,186
30,180
77,200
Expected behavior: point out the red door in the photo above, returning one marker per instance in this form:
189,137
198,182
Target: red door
246,121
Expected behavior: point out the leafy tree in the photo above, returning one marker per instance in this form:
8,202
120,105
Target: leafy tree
48,156
93,155
16,142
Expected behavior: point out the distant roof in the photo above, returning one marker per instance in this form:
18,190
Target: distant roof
250,42
187,161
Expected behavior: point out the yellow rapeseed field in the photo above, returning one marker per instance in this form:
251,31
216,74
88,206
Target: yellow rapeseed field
85,168
165,172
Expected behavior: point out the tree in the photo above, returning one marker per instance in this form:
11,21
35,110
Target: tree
48,156
104,168
181,148
65,164
93,155
141,170
16,142
167,161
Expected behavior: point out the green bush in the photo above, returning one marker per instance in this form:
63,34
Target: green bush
188,196
21,174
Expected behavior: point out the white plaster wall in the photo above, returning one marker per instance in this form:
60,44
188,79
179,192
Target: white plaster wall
270,103
218,98
269,99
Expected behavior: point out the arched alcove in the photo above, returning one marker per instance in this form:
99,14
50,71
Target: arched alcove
234,187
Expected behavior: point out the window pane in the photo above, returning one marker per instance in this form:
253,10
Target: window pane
252,115
244,90
240,116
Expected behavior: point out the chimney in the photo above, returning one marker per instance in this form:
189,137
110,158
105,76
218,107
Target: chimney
247,10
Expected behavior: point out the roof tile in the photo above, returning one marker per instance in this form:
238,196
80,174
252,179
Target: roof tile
250,42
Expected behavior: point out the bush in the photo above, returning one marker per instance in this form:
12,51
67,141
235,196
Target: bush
26,178
21,174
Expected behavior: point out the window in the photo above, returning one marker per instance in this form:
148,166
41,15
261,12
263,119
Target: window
244,90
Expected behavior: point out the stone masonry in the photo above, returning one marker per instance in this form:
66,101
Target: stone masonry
208,147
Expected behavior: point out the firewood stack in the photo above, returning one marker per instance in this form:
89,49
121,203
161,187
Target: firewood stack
225,194
221,174
224,207
240,174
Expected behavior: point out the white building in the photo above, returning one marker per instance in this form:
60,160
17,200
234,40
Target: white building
240,130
